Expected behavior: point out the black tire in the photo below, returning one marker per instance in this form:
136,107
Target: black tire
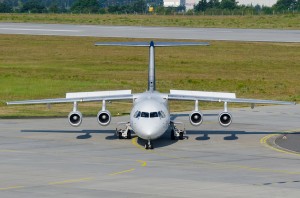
181,135
120,135
172,134
129,134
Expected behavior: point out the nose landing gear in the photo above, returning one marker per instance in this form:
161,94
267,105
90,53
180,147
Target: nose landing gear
148,145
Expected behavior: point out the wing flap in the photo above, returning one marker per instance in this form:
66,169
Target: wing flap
97,94
203,94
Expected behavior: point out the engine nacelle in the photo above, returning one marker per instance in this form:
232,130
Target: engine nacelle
225,119
75,118
104,118
196,118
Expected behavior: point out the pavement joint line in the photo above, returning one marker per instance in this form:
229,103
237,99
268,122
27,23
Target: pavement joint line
264,141
11,188
71,181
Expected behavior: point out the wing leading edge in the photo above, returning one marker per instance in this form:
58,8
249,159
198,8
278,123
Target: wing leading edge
219,97
81,97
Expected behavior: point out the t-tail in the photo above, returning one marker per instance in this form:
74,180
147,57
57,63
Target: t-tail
151,45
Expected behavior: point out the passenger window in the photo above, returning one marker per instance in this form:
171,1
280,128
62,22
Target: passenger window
137,114
145,114
153,115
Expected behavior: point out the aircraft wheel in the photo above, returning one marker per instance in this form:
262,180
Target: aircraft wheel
128,134
181,135
120,135
172,134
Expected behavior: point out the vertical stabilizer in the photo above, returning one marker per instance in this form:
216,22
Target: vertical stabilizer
151,45
151,69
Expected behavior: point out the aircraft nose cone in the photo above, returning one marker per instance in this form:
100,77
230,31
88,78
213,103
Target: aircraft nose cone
150,130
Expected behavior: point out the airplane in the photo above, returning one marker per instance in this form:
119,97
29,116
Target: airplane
150,117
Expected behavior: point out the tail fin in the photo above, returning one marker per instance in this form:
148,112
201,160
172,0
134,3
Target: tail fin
151,45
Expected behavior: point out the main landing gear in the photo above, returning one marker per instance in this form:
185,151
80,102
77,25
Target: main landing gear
148,145
124,133
177,133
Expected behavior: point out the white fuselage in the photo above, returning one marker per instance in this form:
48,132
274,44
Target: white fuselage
150,117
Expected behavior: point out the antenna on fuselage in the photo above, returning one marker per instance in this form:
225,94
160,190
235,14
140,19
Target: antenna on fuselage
151,45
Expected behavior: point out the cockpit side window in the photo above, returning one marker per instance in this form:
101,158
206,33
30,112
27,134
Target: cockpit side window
137,114
145,114
161,114
153,115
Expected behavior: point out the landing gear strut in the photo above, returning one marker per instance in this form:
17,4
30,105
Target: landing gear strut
148,145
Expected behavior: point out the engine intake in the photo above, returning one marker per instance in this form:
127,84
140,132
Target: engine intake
225,119
75,118
104,118
196,118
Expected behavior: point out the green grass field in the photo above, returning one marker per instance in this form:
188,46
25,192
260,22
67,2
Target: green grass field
290,21
36,67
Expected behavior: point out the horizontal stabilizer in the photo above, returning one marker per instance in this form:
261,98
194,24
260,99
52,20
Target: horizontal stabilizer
97,94
154,44
203,94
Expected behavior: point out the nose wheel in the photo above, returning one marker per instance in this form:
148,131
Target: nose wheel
148,145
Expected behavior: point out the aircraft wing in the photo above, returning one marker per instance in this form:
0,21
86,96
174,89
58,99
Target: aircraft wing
218,97
81,97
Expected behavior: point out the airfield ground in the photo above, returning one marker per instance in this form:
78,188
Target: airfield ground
48,158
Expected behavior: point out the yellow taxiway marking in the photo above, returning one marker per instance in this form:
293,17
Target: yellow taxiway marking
134,142
71,181
12,187
122,172
143,163
264,141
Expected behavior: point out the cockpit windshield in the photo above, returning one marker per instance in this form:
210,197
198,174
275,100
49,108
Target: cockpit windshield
145,115
155,114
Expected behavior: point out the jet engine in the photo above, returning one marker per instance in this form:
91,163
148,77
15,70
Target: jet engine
225,119
196,118
75,118
104,118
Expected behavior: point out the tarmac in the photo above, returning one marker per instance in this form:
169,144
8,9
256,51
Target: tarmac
49,158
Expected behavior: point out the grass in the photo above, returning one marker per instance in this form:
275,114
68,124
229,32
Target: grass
289,21
36,67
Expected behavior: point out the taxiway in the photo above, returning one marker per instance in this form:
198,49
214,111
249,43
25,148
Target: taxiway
49,158
224,34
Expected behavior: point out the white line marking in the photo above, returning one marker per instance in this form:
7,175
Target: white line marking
49,30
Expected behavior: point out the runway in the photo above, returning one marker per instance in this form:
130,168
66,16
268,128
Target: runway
49,158
260,35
